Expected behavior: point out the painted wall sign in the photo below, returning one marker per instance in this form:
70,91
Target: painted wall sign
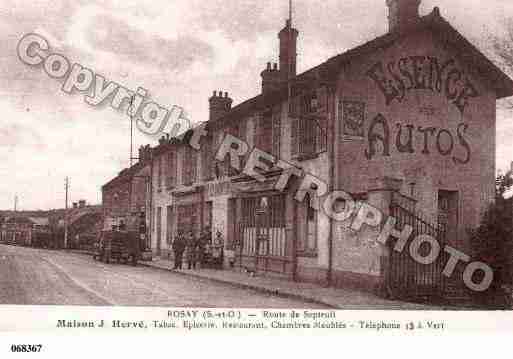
353,118
395,79
442,139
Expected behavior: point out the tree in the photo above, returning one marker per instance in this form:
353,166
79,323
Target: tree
492,243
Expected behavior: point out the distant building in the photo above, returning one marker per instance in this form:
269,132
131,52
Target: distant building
23,230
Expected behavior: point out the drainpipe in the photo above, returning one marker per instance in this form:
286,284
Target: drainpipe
333,94
150,227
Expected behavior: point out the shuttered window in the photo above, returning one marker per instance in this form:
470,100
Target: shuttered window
268,132
276,147
189,164
238,130
207,158
171,170
159,172
309,115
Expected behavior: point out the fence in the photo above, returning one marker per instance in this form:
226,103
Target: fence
405,277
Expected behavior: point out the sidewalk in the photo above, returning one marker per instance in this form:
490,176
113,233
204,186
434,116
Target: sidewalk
332,297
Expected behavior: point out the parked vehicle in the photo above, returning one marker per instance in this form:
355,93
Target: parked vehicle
119,246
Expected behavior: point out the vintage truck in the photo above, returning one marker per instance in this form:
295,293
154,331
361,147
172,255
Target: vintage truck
116,245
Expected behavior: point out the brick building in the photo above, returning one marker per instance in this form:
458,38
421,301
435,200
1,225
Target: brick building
405,122
126,197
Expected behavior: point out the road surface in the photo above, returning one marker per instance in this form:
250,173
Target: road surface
42,277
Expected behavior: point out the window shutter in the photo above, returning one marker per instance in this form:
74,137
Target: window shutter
294,136
294,107
194,164
322,97
171,170
208,158
258,131
159,169
276,132
185,170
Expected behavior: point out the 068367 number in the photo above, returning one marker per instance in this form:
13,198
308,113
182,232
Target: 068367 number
26,348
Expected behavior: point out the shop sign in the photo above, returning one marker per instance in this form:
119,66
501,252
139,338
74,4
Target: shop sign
219,189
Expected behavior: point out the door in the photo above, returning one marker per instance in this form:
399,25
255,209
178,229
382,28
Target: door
262,233
188,218
159,231
169,226
448,214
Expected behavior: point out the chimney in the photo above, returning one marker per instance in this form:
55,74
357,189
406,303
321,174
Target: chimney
220,105
402,13
288,51
145,154
271,78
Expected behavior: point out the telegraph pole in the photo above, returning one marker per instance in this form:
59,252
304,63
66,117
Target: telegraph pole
289,99
66,214
131,130
15,219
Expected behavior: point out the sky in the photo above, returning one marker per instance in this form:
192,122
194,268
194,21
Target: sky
180,51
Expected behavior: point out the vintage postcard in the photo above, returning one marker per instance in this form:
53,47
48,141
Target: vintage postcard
256,166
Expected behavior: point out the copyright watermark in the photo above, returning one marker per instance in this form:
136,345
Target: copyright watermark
150,117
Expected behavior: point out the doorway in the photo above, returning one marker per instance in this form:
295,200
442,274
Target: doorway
448,214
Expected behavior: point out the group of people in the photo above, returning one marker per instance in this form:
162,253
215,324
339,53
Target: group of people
197,250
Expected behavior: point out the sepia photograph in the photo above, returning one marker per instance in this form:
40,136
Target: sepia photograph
255,164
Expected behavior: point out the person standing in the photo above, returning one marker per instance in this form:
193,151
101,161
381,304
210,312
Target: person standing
217,250
178,249
204,241
191,249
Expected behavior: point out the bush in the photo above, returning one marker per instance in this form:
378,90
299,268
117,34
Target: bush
492,243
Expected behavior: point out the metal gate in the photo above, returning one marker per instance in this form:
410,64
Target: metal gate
262,234
405,277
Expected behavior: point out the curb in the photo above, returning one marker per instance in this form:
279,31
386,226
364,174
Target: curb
274,292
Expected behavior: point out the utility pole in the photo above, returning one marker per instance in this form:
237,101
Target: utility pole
15,219
66,214
131,130
289,99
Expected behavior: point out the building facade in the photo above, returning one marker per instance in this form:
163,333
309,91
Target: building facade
405,122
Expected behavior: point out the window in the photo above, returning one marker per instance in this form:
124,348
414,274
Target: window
189,164
308,114
238,130
171,170
207,158
159,173
268,132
